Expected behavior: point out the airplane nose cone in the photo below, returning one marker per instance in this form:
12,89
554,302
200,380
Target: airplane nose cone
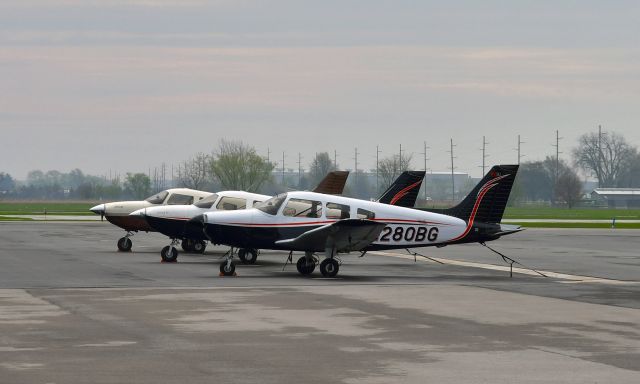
98,209
139,212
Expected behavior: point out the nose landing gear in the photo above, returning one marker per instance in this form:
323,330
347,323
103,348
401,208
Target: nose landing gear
125,243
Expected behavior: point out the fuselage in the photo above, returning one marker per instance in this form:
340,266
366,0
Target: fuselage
118,212
172,221
295,213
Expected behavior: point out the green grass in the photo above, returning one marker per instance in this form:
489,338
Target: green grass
38,208
578,225
568,214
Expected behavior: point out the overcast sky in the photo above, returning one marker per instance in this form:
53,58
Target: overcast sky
126,85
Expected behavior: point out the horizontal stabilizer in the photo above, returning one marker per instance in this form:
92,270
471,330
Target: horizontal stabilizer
345,235
506,229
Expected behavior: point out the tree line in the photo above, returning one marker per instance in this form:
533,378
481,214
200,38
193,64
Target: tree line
234,165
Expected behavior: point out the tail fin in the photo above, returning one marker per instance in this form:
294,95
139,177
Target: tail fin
333,183
403,192
487,201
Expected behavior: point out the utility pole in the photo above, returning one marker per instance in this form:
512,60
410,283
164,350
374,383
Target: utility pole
557,172
453,182
377,169
356,166
484,155
425,170
282,168
600,154
335,159
299,168
400,159
268,155
518,149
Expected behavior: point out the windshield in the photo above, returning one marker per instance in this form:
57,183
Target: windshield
272,205
158,198
207,202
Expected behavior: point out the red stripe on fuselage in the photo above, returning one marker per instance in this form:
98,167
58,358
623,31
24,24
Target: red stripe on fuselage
390,221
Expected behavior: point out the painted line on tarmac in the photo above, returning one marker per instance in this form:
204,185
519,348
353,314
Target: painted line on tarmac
570,279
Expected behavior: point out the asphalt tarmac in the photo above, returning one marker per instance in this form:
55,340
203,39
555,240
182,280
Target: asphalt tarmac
74,310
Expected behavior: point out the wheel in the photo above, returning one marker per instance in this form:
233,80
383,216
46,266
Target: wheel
248,255
329,268
227,269
124,244
169,254
198,246
305,266
187,245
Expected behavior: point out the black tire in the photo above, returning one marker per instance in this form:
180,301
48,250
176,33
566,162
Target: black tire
198,246
124,244
227,270
250,256
305,266
329,268
242,255
187,245
169,254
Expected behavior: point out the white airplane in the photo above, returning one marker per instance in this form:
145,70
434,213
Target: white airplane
117,213
172,221
311,222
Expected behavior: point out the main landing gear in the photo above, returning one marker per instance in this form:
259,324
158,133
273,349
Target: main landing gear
125,243
193,246
248,255
306,264
169,254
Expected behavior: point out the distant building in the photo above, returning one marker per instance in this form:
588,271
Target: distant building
617,197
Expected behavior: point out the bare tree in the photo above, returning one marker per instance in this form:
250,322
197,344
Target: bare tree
239,167
569,187
193,173
391,167
320,167
606,156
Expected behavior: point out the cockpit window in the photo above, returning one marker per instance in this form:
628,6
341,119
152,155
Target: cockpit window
272,205
207,202
179,199
303,208
158,198
230,203
364,214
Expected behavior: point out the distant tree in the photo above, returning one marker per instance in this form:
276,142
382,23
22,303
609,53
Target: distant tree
239,167
569,187
630,178
193,173
320,166
607,157
7,184
391,167
35,178
138,185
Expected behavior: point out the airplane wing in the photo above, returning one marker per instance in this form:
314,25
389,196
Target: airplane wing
345,235
333,183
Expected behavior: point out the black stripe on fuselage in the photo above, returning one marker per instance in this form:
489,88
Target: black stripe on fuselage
265,237
175,228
